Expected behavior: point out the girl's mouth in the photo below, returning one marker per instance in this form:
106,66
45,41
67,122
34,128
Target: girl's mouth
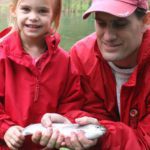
32,26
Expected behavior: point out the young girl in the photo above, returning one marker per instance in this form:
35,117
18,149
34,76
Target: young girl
35,73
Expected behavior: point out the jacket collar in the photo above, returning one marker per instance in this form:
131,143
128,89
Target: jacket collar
5,32
144,50
143,59
14,47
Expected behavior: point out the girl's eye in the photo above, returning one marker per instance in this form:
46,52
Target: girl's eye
25,9
43,11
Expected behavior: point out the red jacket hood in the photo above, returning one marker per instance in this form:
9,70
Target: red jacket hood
15,47
5,32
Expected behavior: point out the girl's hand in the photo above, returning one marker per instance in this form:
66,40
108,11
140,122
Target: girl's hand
51,138
13,137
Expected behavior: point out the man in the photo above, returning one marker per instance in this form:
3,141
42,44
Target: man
114,65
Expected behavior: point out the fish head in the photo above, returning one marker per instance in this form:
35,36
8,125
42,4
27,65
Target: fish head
94,131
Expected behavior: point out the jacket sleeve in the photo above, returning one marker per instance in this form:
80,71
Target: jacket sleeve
128,137
119,136
72,102
93,104
5,121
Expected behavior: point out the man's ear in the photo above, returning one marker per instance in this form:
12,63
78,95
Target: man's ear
147,19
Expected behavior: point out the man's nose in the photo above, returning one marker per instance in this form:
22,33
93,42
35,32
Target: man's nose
110,33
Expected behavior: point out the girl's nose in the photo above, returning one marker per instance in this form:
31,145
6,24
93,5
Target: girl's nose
33,16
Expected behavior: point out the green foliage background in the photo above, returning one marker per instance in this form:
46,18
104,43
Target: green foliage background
75,5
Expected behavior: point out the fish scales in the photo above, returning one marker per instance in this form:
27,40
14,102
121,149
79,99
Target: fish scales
91,131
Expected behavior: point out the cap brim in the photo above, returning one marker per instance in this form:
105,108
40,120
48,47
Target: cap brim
113,7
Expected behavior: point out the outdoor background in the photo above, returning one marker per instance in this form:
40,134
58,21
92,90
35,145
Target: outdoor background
72,27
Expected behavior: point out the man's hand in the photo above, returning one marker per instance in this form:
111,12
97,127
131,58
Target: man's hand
50,118
78,141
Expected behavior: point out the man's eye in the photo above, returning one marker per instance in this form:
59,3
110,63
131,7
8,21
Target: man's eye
101,24
120,24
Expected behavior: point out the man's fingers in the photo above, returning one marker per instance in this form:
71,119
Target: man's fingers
50,118
59,141
46,120
86,120
85,143
76,143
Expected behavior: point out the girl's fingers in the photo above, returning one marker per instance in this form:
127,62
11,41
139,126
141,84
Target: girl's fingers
13,137
36,137
13,145
59,141
53,139
46,135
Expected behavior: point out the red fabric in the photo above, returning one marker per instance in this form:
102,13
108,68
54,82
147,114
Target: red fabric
28,91
130,130
5,32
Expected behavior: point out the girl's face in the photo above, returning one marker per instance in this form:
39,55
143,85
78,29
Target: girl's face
33,18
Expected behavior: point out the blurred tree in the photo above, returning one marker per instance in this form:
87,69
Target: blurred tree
75,5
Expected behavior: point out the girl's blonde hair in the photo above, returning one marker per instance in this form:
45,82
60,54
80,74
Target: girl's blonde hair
56,6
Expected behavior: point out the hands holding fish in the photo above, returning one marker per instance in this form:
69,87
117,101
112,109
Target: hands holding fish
56,131
50,138
78,141
54,139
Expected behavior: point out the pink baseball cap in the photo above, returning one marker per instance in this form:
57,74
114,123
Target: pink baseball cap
119,8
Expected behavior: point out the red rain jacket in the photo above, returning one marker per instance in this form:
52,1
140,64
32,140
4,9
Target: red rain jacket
130,129
27,91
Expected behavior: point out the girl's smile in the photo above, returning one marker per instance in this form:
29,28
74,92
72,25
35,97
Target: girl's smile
34,18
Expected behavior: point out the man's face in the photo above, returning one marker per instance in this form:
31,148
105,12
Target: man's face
119,38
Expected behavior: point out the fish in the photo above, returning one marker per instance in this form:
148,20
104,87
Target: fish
91,131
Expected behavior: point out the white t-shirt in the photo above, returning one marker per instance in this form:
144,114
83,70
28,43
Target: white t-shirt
121,76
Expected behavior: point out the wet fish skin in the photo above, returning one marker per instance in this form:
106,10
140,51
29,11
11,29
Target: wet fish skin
91,131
